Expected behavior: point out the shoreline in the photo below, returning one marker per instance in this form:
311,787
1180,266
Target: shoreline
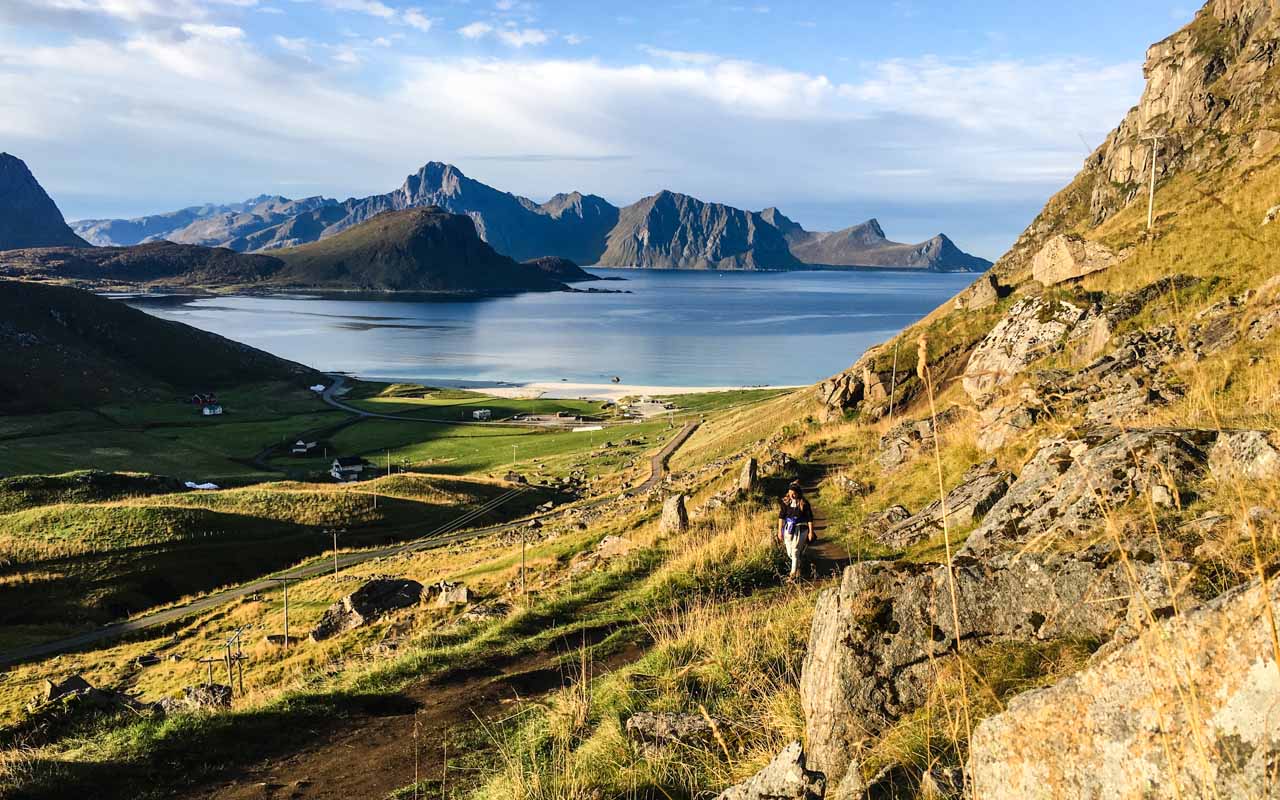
569,390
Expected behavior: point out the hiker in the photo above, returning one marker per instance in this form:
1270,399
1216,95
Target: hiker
795,525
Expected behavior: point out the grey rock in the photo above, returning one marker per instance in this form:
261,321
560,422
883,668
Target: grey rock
1033,328
1124,384
978,490
1271,216
1090,336
785,778
211,697
449,593
1124,726
873,637
906,439
984,292
366,604
1065,257
874,525
850,486
660,729
675,517
485,612
1244,454
1001,423
1068,483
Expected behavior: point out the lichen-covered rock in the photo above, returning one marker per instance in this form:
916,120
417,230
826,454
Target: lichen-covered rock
1190,710
785,778
1126,383
201,697
749,478
1032,329
979,489
904,440
660,729
449,593
366,604
1244,454
873,637
675,518
1002,423
876,523
1065,258
1090,336
1068,484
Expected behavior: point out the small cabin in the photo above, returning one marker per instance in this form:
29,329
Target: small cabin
482,414
204,399
213,410
348,468
303,448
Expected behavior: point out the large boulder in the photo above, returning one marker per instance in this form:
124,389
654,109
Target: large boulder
1032,329
1066,257
874,638
1069,484
749,478
876,523
905,440
1001,423
675,517
1244,454
978,490
1188,710
983,293
785,778
366,604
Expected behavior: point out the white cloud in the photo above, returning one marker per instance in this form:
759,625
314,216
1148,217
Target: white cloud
373,8
574,39
298,45
476,30
519,37
208,116
219,32
415,18
138,10
681,56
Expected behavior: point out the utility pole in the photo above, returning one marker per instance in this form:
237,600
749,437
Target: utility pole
1151,197
285,581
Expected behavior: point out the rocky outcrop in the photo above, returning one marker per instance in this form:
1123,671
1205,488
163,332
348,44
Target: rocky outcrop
1090,337
749,477
1003,422
447,594
1188,711
907,439
1033,329
875,525
1069,483
874,638
28,217
202,697
675,517
1065,258
367,604
1250,455
785,778
984,292
980,488
1122,385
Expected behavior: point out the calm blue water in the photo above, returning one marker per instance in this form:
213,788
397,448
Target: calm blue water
674,329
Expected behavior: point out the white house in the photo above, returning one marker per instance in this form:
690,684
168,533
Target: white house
348,468
214,410
482,414
303,448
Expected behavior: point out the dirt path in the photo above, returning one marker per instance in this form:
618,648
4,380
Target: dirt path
370,752
826,557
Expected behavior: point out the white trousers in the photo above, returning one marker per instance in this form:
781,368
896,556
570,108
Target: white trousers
795,543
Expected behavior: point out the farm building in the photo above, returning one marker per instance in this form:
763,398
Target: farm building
348,468
482,414
303,448
213,410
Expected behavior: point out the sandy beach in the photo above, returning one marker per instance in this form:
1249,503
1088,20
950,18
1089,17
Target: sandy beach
590,391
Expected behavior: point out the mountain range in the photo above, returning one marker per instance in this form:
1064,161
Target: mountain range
664,231
414,250
28,216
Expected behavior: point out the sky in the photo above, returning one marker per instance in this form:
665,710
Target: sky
930,116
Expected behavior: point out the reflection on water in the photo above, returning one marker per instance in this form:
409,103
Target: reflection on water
673,329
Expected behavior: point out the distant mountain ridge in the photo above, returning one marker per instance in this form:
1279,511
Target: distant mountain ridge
414,250
667,230
28,216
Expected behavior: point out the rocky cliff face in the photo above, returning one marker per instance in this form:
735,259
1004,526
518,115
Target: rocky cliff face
28,217
675,231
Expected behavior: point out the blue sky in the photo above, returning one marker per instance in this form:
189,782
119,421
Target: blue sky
931,116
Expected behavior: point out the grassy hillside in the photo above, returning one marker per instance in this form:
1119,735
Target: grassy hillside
420,249
63,348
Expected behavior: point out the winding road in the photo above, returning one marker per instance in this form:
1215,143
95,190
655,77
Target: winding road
440,537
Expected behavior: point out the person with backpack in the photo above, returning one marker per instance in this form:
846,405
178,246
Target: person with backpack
795,526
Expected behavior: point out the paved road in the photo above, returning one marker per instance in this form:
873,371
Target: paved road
439,537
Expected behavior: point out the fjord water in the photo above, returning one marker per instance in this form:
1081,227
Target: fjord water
674,328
